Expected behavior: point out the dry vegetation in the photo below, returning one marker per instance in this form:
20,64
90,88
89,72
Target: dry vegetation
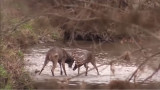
28,22
102,20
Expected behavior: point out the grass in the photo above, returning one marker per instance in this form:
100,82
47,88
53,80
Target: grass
4,84
3,72
12,72
27,26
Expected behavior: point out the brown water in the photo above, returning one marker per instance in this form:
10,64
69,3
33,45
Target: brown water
35,55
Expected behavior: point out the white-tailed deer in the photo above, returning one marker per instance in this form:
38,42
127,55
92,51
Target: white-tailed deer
84,58
58,55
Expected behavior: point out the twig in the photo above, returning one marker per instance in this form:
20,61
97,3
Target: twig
147,31
85,72
25,19
103,5
151,74
71,18
19,24
112,18
147,59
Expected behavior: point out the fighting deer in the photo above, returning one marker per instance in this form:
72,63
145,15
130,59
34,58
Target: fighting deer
58,55
84,58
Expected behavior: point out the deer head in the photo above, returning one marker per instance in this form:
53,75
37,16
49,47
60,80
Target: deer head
70,60
78,63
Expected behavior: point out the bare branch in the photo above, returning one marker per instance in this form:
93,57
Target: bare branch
147,59
71,18
151,74
113,18
88,71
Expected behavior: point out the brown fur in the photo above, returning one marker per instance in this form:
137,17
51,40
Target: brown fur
58,55
87,58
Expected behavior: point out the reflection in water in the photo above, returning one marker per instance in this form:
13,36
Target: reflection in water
35,57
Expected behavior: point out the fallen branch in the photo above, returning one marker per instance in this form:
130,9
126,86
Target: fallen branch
147,59
85,72
151,74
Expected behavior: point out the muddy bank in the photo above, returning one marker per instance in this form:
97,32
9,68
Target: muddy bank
35,56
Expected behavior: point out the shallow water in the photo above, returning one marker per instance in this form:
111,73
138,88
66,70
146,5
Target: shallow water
34,59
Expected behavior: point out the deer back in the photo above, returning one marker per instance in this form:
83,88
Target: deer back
60,53
82,57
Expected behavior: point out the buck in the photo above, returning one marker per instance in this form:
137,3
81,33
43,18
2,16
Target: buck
84,58
58,55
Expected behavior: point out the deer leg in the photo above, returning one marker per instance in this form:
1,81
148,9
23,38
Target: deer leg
63,65
54,66
86,66
95,67
45,63
61,68
78,70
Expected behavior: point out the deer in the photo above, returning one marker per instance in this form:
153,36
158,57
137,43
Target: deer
58,55
84,58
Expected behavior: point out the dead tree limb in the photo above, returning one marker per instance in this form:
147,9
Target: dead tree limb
151,74
27,19
85,72
71,18
112,18
143,63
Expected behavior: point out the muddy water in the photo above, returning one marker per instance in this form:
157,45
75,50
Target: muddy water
35,55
